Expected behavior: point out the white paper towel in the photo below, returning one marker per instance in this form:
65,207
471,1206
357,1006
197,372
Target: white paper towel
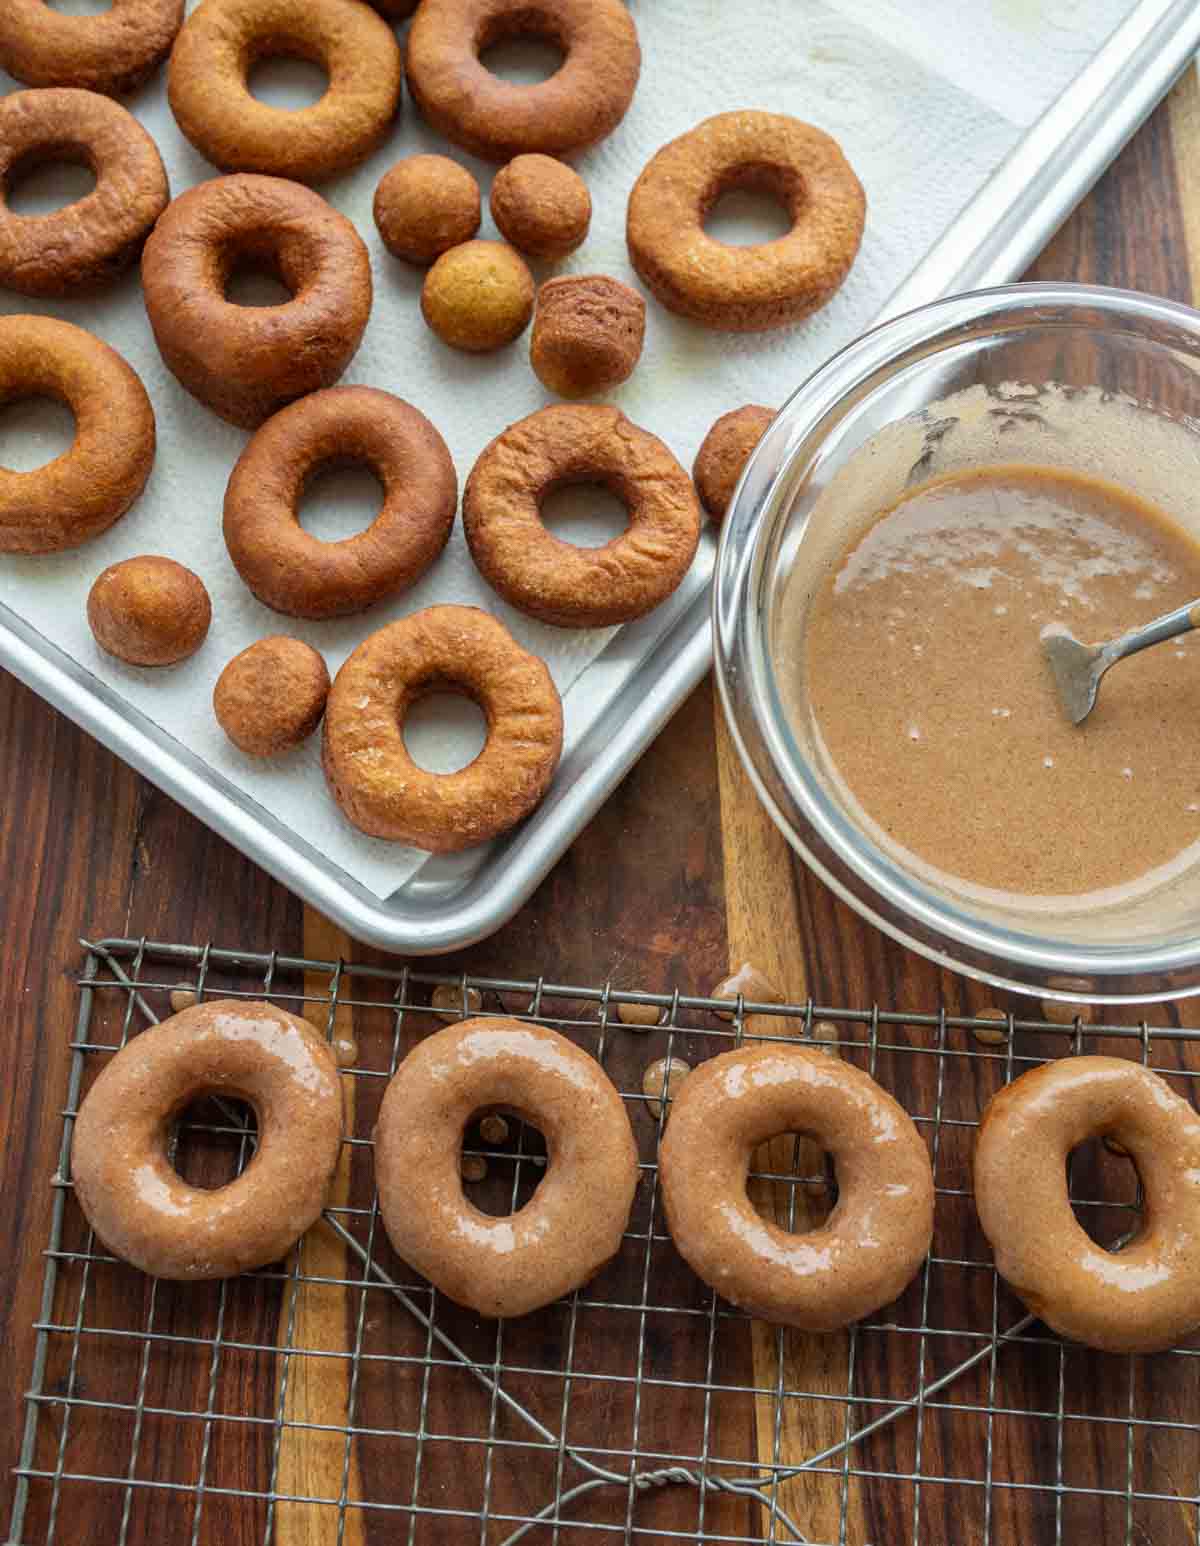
926,97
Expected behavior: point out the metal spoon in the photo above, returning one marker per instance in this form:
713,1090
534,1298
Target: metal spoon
1078,667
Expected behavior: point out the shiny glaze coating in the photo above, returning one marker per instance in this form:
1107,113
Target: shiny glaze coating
877,1235
1141,1299
141,1207
573,1223
112,52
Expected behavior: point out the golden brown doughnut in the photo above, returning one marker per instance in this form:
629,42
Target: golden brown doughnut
270,698
85,244
746,289
370,773
149,611
425,205
574,1222
112,52
478,297
131,1194
247,362
298,574
541,206
223,40
556,581
582,101
1142,1298
723,454
588,332
83,491
870,1247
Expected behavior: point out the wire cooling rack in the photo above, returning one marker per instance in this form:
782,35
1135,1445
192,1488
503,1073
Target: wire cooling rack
336,1398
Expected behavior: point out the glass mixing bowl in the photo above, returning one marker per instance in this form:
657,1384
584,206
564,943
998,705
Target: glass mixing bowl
1100,381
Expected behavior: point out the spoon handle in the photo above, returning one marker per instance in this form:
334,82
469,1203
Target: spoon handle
1168,626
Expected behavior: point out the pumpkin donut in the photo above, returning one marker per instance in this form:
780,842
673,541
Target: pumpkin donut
368,767
580,104
746,289
88,243
223,40
296,573
91,485
556,581
112,52
247,362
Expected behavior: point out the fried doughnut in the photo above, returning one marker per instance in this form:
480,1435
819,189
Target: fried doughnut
292,571
723,454
270,698
871,1245
85,244
82,492
112,52
588,332
746,289
574,1222
424,205
570,586
1146,1296
136,1201
368,767
584,100
222,41
541,206
244,362
149,611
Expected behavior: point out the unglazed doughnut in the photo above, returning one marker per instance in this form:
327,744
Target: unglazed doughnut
555,581
588,332
270,698
424,205
873,1242
746,289
91,485
581,102
141,1207
247,362
1142,1298
574,1222
87,243
112,52
296,573
724,453
223,40
370,772
149,611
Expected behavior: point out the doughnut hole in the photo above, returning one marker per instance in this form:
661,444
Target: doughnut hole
34,431
211,1150
444,730
341,498
522,53
587,515
80,7
287,80
792,1183
52,178
751,206
254,271
1104,1188
515,1166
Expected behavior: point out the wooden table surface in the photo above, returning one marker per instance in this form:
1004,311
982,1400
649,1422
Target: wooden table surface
679,876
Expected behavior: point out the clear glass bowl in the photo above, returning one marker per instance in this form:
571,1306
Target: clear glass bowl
1076,376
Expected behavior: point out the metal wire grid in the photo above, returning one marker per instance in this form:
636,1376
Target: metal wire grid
475,1477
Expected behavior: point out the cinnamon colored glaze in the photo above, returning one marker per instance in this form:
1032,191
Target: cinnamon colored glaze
573,1223
924,668
870,1246
1146,1296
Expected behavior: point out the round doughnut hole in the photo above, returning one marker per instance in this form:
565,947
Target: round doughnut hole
287,82
747,216
340,500
522,58
43,184
514,1172
34,431
80,7
444,731
789,1186
1103,1193
255,280
587,515
210,1144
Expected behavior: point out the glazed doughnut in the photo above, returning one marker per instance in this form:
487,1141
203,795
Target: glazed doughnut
89,242
82,492
556,581
873,1242
582,101
112,52
746,289
222,41
294,572
1141,1299
247,362
135,1200
370,773
573,1223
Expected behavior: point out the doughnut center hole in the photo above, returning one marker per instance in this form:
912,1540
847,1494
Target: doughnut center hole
587,515
1103,1193
522,56
444,730
256,281
752,205
210,1151
287,82
34,431
514,1168
80,7
53,179
792,1184
340,499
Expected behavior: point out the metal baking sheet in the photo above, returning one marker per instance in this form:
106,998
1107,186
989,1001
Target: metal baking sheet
649,668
